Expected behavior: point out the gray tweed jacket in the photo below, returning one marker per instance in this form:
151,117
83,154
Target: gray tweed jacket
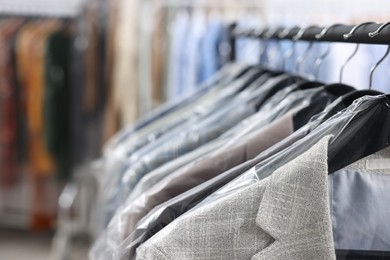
285,216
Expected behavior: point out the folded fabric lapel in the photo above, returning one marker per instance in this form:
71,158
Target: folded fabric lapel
295,209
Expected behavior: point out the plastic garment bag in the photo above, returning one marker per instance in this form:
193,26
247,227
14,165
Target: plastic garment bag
117,160
165,213
169,116
254,122
235,135
223,76
184,140
296,100
180,120
206,122
172,116
359,115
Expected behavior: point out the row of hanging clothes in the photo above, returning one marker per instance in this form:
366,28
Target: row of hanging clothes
198,46
35,119
48,92
183,44
258,163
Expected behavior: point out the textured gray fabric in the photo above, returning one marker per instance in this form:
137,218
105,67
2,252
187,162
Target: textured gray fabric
285,216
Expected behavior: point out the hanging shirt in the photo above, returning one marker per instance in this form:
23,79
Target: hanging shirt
209,62
180,27
192,61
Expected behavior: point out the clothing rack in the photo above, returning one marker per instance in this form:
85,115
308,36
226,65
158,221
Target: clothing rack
335,33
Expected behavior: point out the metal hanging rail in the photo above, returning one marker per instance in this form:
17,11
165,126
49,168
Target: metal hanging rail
333,34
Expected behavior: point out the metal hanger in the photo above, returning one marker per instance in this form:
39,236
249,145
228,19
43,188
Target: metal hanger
267,36
259,34
275,32
290,52
304,56
346,37
320,59
372,70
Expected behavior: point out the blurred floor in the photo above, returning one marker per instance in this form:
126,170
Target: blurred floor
19,245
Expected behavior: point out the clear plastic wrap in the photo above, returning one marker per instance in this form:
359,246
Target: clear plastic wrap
167,118
283,217
364,109
165,213
118,157
295,101
252,123
181,144
179,141
187,116
165,109
162,215
249,124
209,130
227,74
160,173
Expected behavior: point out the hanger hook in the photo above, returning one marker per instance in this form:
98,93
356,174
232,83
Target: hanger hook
238,31
270,33
283,33
302,58
260,33
372,70
353,30
300,33
267,36
320,59
325,30
373,34
276,34
290,53
346,37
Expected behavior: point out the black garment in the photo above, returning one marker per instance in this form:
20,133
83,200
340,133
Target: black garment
57,102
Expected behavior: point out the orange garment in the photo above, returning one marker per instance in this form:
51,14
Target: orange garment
31,47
